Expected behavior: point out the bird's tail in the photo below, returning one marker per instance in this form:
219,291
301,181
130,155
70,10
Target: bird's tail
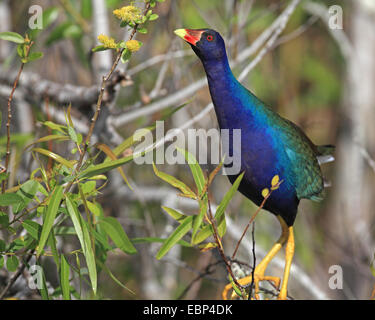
324,153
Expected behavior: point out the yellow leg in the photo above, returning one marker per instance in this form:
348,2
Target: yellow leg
261,268
289,252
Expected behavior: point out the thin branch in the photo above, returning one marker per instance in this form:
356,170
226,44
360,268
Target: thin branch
7,156
276,186
254,262
220,246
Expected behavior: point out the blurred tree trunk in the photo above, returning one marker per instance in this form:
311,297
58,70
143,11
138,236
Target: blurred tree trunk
351,211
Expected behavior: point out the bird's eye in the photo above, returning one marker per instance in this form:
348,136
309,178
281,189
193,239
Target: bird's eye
209,38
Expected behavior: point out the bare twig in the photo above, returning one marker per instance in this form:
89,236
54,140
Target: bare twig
7,155
254,262
254,215
220,246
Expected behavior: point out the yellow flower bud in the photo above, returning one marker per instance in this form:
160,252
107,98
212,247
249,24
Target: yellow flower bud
133,45
128,13
107,41
265,192
275,182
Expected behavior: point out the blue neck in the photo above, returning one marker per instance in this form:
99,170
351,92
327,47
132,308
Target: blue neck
230,98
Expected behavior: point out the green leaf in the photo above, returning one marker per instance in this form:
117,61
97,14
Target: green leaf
27,192
51,242
154,16
51,137
88,186
174,213
21,50
49,217
125,55
34,56
94,208
159,240
195,168
115,231
55,126
142,30
219,215
104,167
106,269
4,219
203,205
228,196
33,228
99,48
64,278
44,289
84,239
8,199
174,182
54,156
12,36
12,263
180,231
2,245
1,262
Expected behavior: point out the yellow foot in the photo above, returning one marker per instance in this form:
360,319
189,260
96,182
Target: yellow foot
258,277
282,295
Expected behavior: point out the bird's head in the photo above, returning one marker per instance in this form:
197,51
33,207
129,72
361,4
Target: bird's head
206,43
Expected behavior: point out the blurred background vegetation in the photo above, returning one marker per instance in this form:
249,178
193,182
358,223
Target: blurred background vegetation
309,77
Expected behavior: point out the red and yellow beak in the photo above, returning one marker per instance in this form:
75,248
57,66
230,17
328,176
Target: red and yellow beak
189,35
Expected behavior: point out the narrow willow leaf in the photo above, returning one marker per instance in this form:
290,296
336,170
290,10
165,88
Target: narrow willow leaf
12,36
55,126
174,182
219,215
94,208
203,205
104,167
51,242
107,150
228,196
158,240
54,156
106,270
49,217
174,213
44,290
84,239
99,48
64,278
115,231
180,231
195,168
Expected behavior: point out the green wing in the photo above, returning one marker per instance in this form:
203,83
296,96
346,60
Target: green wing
303,154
